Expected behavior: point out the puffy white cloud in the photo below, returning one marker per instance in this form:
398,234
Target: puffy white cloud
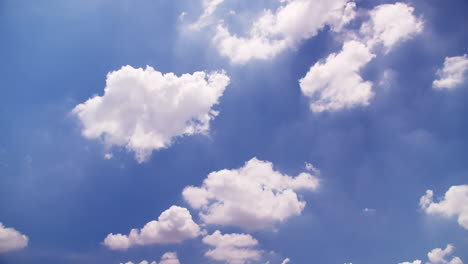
414,262
438,256
335,83
453,73
10,239
169,258
173,226
454,204
232,248
285,261
252,197
292,22
209,7
390,24
144,110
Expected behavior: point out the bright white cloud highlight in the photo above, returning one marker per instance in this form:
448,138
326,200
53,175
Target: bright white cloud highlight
10,239
173,226
414,262
438,256
335,83
292,22
252,197
209,7
144,110
390,24
454,204
232,248
287,260
169,258
453,73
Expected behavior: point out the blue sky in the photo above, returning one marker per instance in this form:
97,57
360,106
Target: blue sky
382,151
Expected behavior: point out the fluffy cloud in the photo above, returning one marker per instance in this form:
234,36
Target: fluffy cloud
173,226
454,204
390,24
252,197
453,73
10,239
144,110
232,248
285,261
335,83
169,258
292,22
438,256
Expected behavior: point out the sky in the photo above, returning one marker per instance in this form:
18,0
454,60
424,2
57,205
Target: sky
234,131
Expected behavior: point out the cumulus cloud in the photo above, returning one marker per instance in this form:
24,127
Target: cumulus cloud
232,248
336,83
173,226
144,110
275,31
169,258
252,197
454,204
438,256
390,24
10,239
453,73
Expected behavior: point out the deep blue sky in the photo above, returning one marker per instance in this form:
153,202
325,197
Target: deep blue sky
56,188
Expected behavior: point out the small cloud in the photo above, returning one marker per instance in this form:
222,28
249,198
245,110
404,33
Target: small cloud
310,167
369,211
108,156
182,16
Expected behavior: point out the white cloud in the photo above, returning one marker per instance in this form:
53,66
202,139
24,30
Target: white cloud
209,7
108,156
144,110
173,226
292,22
169,258
285,261
390,24
10,239
335,84
414,262
143,262
438,256
454,204
453,73
232,248
252,197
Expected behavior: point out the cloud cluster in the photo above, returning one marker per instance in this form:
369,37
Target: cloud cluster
439,256
167,258
232,248
144,110
173,226
336,84
453,73
10,239
454,204
252,197
275,31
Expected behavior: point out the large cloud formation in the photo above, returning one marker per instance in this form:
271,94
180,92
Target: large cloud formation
173,226
252,197
232,248
454,204
335,84
453,74
10,239
275,31
144,110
